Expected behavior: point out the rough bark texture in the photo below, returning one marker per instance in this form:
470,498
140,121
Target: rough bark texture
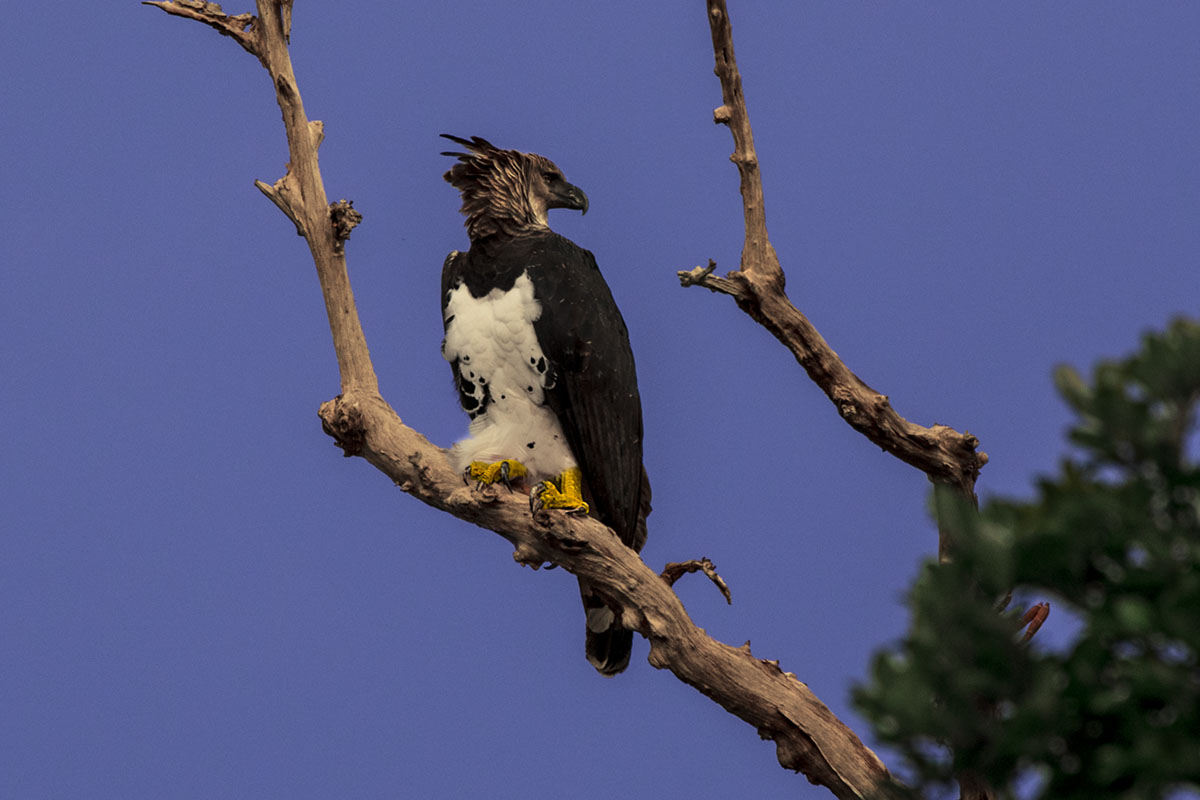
808,737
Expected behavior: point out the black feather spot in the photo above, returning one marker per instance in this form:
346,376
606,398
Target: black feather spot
530,445
529,389
541,364
450,319
466,358
469,403
466,387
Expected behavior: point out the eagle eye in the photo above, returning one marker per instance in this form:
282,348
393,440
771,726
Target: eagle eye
551,177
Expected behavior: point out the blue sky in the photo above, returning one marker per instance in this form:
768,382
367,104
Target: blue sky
202,599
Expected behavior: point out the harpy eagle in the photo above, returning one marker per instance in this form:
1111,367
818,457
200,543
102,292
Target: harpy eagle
542,361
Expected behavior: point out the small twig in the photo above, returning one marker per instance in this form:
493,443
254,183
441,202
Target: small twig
279,195
239,27
702,276
696,276
677,569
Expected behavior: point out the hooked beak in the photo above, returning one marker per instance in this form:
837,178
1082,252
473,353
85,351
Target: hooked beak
569,196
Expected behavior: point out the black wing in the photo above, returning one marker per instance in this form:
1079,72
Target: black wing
595,393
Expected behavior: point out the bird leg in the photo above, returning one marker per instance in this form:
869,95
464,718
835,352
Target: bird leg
505,472
566,493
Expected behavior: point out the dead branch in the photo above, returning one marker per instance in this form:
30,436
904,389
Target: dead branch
942,453
948,457
300,193
808,737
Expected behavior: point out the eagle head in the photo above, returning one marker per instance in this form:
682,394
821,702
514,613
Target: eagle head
507,191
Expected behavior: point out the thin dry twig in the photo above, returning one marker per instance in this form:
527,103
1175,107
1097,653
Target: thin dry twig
677,569
238,27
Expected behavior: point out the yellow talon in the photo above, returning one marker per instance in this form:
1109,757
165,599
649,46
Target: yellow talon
565,494
504,471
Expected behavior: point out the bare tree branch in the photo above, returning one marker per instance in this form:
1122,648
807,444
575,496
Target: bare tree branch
300,193
942,453
238,27
808,737
948,457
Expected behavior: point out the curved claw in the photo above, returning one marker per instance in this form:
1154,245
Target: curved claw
486,474
546,495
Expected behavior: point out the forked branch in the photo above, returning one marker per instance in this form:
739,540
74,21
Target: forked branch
300,193
949,458
945,455
808,737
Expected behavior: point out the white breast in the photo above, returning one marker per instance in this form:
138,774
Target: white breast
493,340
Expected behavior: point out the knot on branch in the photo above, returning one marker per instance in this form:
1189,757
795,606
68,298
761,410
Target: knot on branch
316,129
846,401
677,569
963,445
722,115
555,529
790,755
528,556
344,219
969,442
344,422
744,159
424,473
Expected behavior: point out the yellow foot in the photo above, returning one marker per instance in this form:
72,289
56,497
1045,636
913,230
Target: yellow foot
505,472
566,493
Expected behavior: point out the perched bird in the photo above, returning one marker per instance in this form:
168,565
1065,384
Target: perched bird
542,362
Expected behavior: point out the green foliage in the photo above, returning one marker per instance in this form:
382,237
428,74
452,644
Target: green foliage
1114,538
